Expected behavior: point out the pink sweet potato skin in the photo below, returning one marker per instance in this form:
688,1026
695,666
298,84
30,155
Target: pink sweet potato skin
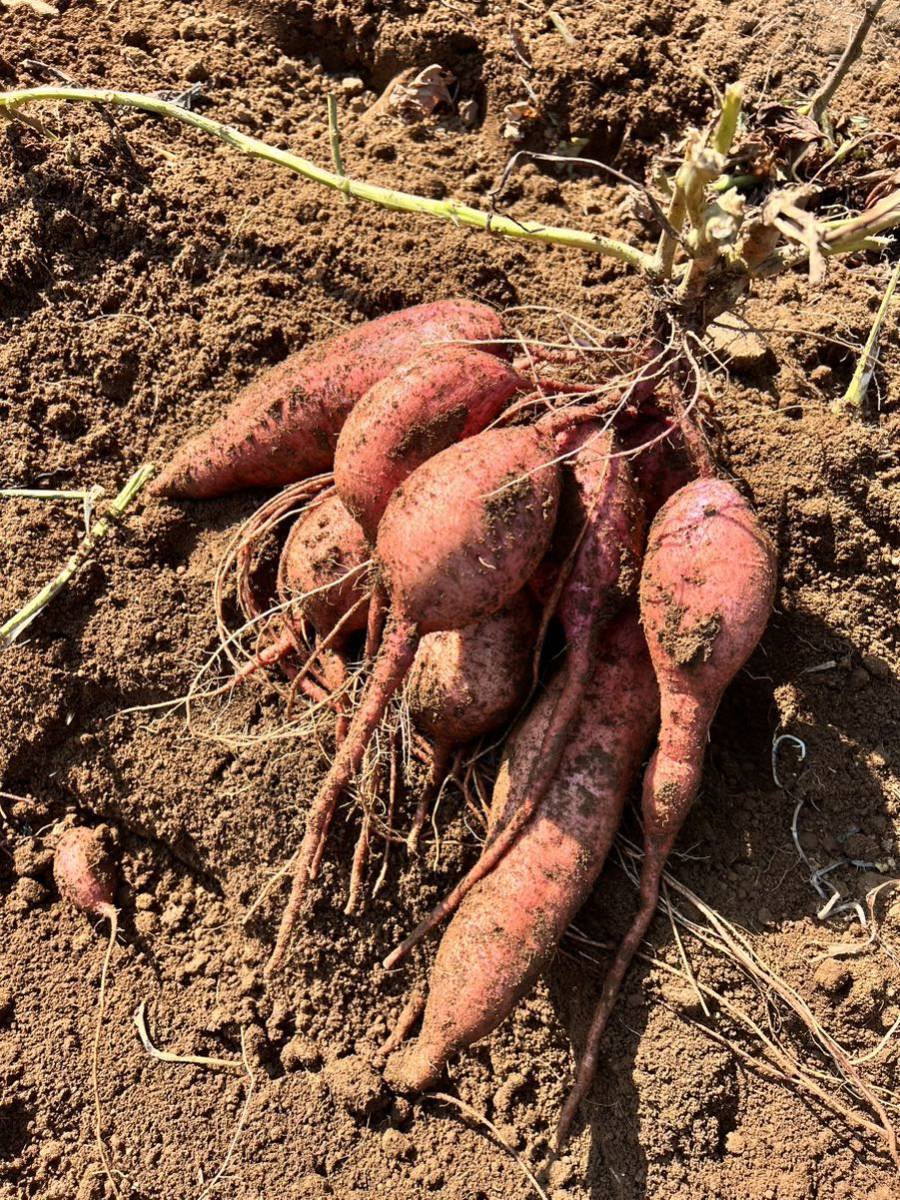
706,593
325,544
508,927
463,534
468,682
284,426
422,407
83,872
601,510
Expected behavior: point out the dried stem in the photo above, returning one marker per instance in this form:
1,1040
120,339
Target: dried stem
823,96
166,1056
334,134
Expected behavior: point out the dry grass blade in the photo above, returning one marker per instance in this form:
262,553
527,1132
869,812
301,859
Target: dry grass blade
194,1060
682,953
745,955
561,28
857,390
724,938
776,1062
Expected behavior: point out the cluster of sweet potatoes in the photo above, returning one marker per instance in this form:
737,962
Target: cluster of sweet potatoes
459,528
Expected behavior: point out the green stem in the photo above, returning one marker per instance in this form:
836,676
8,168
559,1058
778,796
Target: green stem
334,134
785,258
668,243
19,622
389,198
724,182
728,119
691,182
855,394
702,174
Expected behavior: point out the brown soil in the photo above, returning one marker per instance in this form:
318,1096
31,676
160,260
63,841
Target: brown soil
139,289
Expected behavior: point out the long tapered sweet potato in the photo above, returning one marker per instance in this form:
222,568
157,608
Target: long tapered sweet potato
600,532
468,682
706,592
507,928
284,426
420,408
458,539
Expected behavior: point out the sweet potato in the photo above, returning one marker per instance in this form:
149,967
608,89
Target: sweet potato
661,462
322,583
509,925
420,408
321,571
285,424
84,873
457,540
600,532
322,578
706,592
468,682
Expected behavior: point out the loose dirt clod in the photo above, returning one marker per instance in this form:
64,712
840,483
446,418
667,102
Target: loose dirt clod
356,1086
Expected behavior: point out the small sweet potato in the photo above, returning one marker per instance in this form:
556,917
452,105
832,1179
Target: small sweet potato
84,873
321,571
468,682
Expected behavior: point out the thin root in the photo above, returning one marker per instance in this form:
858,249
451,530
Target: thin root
113,917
